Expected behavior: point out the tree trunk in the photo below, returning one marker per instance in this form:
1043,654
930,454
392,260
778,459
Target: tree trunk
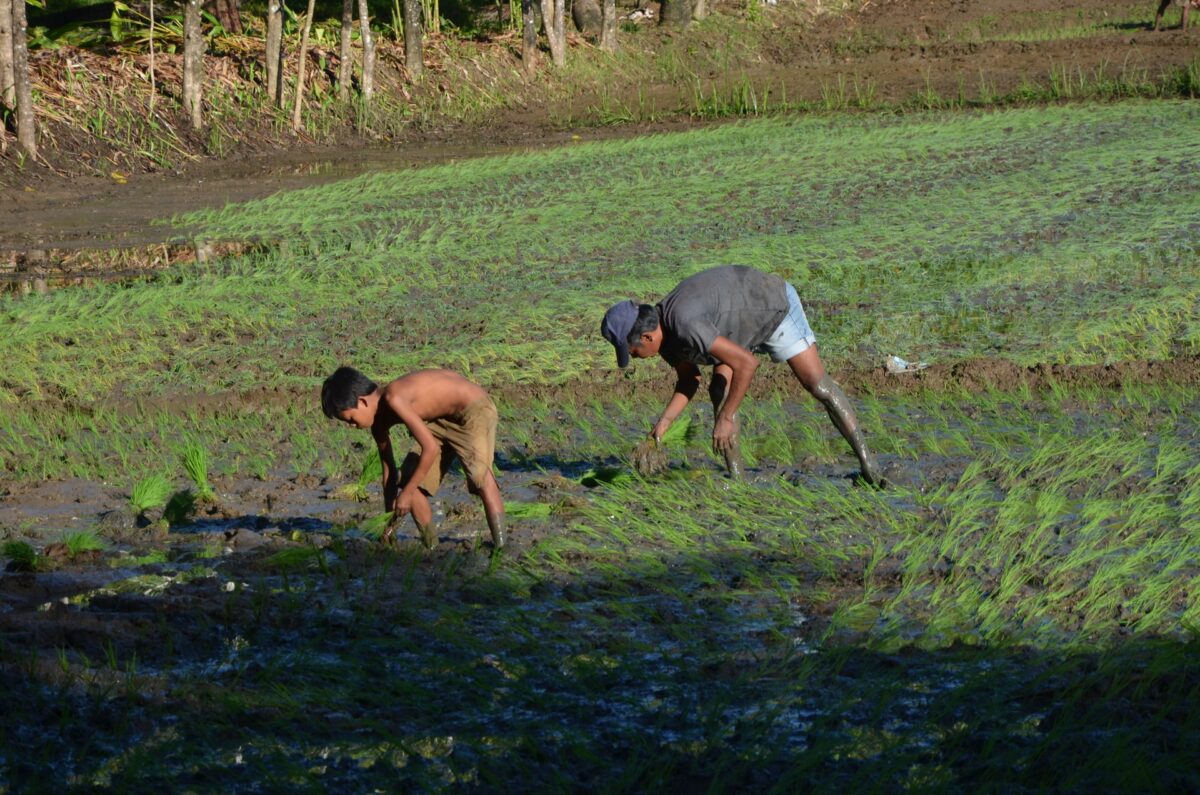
414,58
22,84
274,57
586,15
608,26
193,63
8,93
528,38
368,68
228,14
153,79
553,20
677,13
700,10
300,66
345,57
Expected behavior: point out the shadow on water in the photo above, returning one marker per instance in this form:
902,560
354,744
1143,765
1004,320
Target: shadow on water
574,469
356,668
256,522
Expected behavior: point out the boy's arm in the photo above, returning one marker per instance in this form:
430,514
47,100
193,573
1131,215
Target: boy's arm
743,364
686,383
429,453
383,441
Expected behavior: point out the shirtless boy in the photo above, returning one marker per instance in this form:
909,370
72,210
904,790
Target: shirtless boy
447,416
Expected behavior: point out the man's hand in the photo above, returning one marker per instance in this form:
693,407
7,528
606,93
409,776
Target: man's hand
659,430
725,435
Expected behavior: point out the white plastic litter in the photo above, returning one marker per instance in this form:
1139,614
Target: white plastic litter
897,366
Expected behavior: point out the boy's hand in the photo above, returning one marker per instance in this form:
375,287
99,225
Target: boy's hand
403,504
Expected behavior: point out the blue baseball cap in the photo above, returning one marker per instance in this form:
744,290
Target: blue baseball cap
618,322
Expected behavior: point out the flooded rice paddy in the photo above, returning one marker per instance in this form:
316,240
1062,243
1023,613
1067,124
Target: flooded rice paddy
795,629
195,598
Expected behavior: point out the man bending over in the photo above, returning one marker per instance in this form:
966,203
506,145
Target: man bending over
722,317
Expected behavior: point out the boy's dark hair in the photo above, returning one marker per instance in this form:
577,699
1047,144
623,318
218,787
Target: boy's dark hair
647,320
342,390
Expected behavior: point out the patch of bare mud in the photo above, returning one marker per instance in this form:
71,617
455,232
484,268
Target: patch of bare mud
976,375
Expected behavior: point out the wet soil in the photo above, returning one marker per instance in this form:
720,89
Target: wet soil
967,376
273,579
897,49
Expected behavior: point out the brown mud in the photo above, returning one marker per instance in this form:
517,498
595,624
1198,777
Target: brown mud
891,50
969,376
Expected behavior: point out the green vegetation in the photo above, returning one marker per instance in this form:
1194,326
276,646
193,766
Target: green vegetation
528,510
195,463
375,526
1042,235
21,555
150,492
78,542
372,472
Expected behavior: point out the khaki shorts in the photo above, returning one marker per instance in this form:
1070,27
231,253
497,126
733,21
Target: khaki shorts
470,437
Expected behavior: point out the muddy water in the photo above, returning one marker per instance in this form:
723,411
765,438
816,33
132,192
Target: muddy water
126,211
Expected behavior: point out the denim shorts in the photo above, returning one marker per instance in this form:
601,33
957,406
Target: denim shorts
793,336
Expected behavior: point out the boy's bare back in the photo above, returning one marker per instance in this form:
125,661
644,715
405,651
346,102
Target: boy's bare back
431,394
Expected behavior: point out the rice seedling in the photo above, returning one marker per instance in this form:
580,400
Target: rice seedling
371,472
21,556
195,463
295,558
150,492
377,525
79,542
604,476
528,510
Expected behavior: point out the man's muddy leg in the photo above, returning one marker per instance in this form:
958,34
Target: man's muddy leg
810,371
717,387
1162,8
493,508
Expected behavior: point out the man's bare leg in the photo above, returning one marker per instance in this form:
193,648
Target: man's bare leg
717,388
810,371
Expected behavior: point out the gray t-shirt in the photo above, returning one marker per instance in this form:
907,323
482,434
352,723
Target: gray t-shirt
734,301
